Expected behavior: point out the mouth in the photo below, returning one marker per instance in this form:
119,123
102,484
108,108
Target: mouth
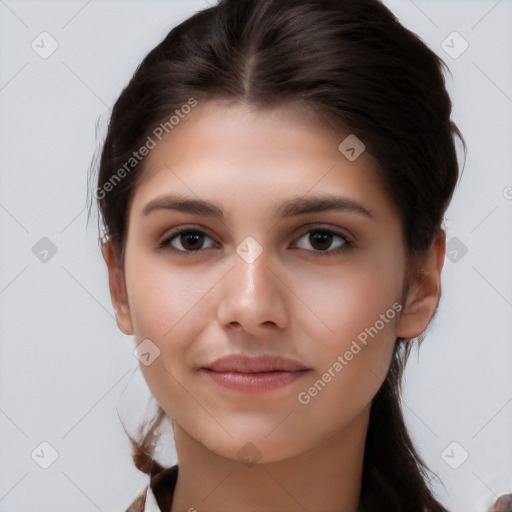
254,374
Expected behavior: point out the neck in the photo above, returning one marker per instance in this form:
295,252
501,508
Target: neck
326,478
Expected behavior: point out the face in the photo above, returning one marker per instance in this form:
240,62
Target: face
288,249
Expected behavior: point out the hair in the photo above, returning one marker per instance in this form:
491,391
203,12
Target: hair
504,500
352,63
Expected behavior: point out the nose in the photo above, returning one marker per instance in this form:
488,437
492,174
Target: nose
253,296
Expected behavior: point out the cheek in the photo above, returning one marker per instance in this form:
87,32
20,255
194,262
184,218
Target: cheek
351,362
166,304
346,302
163,300
358,307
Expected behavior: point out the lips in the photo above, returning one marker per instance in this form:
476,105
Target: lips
260,364
254,374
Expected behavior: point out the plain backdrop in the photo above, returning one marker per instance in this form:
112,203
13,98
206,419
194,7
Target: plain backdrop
66,369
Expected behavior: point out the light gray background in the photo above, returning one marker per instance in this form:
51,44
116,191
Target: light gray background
64,364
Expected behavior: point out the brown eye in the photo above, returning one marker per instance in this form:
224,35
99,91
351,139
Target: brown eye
322,240
186,240
191,240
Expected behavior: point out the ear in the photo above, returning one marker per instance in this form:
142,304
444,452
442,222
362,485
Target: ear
117,289
424,291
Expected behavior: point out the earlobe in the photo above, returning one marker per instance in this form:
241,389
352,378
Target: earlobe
424,292
117,289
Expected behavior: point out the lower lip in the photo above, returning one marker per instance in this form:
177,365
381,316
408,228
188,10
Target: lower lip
254,382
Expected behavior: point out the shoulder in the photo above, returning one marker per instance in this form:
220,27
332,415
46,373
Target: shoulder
157,496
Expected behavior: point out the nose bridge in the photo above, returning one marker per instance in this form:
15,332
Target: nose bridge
253,295
252,274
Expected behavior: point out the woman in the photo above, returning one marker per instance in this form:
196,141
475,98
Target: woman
272,188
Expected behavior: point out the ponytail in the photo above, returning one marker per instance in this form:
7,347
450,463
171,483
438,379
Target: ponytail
394,474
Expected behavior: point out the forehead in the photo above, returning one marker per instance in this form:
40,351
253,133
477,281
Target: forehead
230,149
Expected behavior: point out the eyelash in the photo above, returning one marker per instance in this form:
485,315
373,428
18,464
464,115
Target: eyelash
347,244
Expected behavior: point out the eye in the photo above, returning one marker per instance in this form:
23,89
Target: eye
322,240
186,240
189,240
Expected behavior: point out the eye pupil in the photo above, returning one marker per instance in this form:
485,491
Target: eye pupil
322,237
193,237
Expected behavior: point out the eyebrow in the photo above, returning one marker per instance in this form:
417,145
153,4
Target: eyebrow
291,208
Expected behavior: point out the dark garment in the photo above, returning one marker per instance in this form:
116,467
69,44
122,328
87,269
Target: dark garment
162,485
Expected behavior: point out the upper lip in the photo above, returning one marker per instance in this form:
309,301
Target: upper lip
246,364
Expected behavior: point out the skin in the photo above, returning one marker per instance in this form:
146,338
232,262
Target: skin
293,300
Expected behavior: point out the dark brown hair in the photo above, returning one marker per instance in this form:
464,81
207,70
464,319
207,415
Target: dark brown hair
355,65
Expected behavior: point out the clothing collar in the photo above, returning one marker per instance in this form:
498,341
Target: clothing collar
151,505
